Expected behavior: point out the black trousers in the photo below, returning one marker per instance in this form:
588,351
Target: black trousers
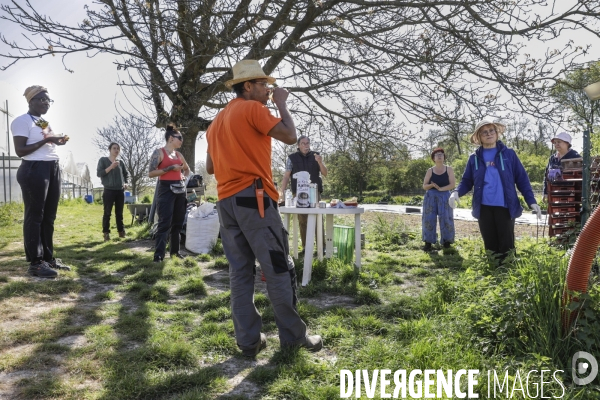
40,183
497,230
112,197
171,214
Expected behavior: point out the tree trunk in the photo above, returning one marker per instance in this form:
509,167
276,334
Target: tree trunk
188,148
186,119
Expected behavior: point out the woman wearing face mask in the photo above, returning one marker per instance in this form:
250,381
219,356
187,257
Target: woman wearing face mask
40,179
562,144
169,166
492,172
114,178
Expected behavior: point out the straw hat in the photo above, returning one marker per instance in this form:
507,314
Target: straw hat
500,129
247,70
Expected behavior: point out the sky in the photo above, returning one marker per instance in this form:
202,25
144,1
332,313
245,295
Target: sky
84,100
87,99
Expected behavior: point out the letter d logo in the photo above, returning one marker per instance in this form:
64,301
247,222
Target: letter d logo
590,367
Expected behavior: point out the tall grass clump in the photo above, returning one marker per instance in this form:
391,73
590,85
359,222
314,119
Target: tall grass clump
516,308
389,236
71,202
10,213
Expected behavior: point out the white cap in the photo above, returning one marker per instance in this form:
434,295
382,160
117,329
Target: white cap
564,136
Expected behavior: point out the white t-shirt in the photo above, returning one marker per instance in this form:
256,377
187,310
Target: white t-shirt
24,125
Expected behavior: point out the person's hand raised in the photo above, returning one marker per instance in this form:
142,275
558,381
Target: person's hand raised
280,95
318,158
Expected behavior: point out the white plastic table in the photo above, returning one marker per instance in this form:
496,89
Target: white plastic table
313,222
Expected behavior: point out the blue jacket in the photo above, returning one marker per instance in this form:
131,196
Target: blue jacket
554,162
511,173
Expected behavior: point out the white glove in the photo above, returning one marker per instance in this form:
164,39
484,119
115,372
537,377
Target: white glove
537,209
453,200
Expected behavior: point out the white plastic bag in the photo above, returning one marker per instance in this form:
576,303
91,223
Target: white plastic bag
202,228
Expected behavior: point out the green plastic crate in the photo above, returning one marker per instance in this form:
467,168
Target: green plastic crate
343,242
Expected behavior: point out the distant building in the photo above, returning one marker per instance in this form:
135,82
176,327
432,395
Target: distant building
76,178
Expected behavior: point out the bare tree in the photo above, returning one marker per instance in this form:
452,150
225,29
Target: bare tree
137,141
518,130
362,143
432,139
178,53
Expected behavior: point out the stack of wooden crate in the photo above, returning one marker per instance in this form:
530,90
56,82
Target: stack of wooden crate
595,182
564,200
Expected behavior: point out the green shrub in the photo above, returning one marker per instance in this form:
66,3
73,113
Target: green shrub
388,236
516,308
415,201
220,262
146,199
370,200
203,257
216,249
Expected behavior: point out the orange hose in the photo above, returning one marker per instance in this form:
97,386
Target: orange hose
580,265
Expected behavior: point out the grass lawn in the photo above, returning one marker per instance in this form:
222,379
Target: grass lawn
121,327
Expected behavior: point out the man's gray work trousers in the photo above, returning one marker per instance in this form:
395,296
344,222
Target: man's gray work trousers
246,237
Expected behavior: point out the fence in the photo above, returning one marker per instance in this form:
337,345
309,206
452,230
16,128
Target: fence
10,189
75,180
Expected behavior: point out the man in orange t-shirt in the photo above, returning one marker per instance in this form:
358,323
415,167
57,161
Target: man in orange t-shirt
239,154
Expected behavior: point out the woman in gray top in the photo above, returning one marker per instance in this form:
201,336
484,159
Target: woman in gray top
114,179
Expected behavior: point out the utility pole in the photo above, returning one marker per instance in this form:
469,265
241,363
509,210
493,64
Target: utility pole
5,111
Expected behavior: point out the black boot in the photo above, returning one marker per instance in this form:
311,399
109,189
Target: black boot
427,246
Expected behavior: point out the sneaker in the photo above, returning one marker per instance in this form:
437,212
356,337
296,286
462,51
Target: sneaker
253,352
122,234
177,255
106,237
56,263
157,259
313,343
42,269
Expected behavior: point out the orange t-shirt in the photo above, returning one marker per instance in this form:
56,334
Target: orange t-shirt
240,148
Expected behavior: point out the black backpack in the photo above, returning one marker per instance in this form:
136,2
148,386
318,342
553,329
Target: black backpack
195,181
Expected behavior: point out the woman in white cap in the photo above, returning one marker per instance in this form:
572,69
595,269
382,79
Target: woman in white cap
562,144
40,179
492,172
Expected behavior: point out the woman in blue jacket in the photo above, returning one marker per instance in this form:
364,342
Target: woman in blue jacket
492,172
